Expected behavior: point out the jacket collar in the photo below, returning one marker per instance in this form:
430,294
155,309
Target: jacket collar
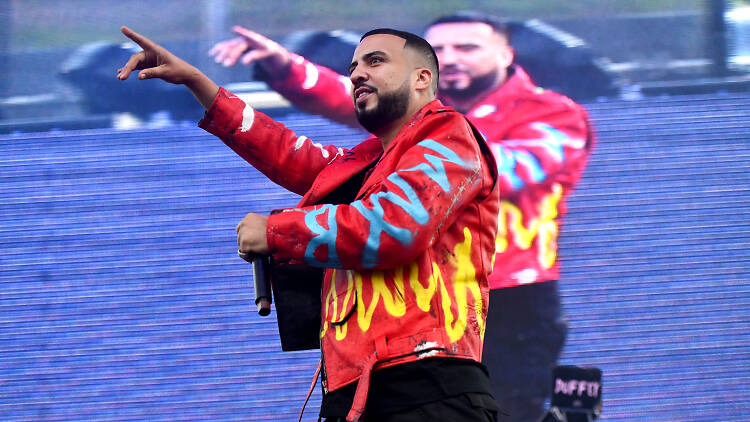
433,106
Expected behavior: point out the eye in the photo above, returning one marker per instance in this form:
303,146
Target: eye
467,48
375,60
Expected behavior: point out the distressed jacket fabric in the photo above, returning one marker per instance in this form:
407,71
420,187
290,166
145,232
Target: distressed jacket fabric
407,262
541,141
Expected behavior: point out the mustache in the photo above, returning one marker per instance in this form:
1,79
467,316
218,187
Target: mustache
361,84
453,68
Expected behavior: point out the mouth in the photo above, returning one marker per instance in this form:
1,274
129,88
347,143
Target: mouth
362,92
452,72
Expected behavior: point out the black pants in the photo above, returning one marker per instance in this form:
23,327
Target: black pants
523,340
466,407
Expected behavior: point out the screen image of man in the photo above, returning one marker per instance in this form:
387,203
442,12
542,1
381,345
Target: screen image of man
542,141
407,253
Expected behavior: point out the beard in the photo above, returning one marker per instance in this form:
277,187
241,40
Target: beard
390,107
477,85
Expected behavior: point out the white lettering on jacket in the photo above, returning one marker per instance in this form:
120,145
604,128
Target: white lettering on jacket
248,117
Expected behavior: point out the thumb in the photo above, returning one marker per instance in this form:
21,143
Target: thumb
157,72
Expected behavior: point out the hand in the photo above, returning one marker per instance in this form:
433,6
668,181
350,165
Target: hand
251,234
251,47
156,62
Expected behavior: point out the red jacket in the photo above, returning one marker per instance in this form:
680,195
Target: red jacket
541,140
407,262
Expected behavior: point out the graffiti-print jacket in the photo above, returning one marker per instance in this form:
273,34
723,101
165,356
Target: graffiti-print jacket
541,139
407,262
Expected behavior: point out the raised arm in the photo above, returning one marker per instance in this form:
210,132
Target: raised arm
313,88
285,158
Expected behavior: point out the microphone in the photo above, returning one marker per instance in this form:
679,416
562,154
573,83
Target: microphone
261,280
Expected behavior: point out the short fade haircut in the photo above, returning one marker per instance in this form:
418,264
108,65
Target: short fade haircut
498,25
416,43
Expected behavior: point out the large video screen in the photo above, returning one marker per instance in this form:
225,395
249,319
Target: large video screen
123,298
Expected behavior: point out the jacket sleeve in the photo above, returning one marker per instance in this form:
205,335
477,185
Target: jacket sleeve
548,141
289,160
317,90
398,216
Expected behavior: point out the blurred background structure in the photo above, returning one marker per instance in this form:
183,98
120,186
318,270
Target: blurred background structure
57,58
122,298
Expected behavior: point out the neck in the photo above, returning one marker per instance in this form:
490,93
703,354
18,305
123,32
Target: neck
389,131
464,105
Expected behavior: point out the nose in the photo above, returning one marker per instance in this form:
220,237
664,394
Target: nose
446,56
358,75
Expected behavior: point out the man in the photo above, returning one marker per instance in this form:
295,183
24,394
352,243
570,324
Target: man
541,140
407,246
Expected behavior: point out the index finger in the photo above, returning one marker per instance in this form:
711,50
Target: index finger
139,39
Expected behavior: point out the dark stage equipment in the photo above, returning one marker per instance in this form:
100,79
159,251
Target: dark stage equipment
576,395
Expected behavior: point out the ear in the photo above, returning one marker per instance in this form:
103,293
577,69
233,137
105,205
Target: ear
424,79
506,56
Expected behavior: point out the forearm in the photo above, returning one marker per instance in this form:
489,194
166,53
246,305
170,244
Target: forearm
202,87
287,159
